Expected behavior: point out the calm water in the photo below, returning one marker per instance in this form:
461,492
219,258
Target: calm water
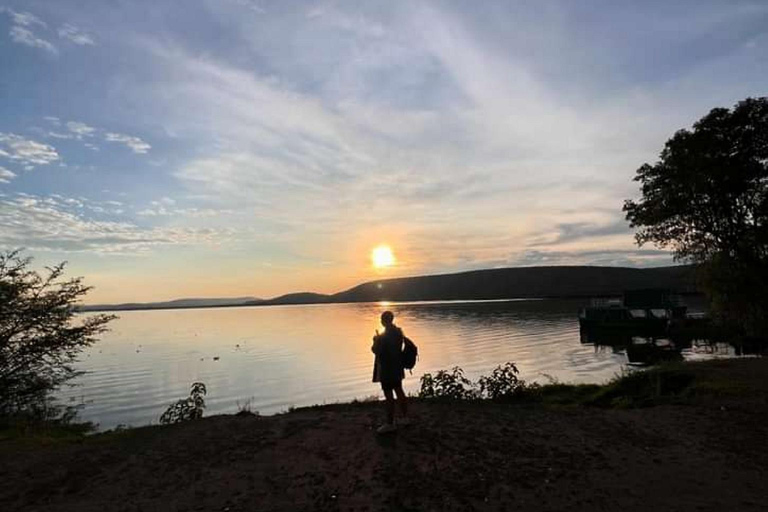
282,356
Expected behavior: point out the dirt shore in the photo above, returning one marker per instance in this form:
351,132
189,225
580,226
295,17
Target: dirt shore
708,453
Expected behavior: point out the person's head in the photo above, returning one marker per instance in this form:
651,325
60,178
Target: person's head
387,318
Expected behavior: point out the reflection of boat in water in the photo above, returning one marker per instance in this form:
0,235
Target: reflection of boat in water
640,350
648,311
643,351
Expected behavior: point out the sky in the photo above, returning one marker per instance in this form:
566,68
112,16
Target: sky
224,148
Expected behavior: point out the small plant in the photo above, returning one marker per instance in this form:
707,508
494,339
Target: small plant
503,383
245,409
190,408
445,384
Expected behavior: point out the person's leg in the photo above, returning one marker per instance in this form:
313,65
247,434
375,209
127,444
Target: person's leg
389,404
402,400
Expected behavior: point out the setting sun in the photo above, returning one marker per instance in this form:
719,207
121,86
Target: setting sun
382,256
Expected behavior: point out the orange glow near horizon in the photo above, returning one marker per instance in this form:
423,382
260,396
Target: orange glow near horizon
382,256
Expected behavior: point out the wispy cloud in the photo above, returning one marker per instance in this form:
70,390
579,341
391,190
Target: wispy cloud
26,151
75,35
6,175
24,19
22,30
56,223
134,143
253,5
25,36
80,129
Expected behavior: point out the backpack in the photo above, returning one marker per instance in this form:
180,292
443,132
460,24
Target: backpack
410,354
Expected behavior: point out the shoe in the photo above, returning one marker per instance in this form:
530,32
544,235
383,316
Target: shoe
386,428
404,421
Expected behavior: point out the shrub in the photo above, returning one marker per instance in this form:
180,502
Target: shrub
445,384
503,383
190,408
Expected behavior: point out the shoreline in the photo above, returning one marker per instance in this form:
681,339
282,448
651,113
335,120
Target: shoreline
695,445
108,308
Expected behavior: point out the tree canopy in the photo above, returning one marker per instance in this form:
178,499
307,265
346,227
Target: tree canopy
707,200
40,336
707,195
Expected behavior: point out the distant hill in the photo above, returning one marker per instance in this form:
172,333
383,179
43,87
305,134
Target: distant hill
294,298
509,283
501,283
172,304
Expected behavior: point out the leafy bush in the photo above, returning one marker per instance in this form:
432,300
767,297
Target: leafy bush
664,384
190,408
445,384
502,383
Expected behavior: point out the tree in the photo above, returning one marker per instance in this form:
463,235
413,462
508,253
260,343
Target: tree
41,334
707,200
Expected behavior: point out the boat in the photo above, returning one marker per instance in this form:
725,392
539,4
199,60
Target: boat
646,311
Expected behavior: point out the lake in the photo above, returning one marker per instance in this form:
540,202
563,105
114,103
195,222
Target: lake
276,357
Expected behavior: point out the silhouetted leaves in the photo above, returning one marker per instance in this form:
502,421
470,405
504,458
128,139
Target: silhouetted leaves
190,408
707,200
503,383
40,336
708,193
445,384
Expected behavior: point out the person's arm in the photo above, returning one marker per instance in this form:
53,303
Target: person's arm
376,343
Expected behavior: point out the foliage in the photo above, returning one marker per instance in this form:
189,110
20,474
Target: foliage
186,409
708,194
502,383
40,336
445,384
707,200
663,384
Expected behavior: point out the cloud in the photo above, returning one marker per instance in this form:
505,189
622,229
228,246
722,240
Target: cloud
23,35
161,211
136,144
24,19
568,232
6,175
56,223
253,5
22,30
75,35
26,151
607,257
430,179
80,129
57,135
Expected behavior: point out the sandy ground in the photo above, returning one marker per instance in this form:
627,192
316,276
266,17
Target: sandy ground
707,455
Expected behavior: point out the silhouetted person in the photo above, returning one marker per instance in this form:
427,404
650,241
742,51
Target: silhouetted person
388,369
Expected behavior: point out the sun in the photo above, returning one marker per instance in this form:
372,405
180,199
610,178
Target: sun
382,256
